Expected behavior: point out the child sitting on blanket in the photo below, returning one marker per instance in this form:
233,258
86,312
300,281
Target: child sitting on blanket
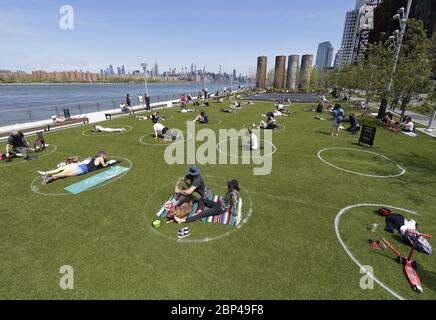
226,202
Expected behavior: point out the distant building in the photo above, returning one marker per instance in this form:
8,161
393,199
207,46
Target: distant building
156,70
324,56
424,10
349,37
337,62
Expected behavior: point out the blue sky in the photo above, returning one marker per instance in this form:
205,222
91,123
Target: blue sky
231,33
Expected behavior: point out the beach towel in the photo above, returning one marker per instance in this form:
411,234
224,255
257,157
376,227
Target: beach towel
226,217
95,180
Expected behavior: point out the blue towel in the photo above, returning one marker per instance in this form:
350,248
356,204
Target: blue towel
93,181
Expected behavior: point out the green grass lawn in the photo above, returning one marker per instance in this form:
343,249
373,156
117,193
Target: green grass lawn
288,248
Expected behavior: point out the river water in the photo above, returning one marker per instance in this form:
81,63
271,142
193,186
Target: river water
25,103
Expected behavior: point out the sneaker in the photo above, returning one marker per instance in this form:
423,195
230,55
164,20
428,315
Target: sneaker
183,233
47,179
41,173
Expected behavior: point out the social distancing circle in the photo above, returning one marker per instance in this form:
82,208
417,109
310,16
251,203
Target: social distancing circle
339,215
401,170
161,141
38,188
151,216
219,147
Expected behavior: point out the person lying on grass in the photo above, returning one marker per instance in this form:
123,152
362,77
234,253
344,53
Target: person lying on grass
226,111
17,145
270,123
202,118
103,129
277,113
164,132
235,105
155,117
68,164
90,165
230,200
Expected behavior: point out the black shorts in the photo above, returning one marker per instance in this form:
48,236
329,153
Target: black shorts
164,130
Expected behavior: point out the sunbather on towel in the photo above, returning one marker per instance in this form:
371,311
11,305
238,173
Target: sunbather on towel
230,200
155,117
90,165
103,129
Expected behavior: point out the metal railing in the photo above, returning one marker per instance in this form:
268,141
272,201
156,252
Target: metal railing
33,114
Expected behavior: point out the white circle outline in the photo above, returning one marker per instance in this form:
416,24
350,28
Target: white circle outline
242,157
39,157
402,170
207,239
35,190
107,134
348,251
339,136
164,145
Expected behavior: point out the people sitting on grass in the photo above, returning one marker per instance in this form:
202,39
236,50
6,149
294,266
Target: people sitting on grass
253,141
39,144
406,126
125,108
99,128
155,117
338,115
87,166
235,105
17,146
190,187
270,123
230,200
319,108
388,119
354,124
202,118
164,132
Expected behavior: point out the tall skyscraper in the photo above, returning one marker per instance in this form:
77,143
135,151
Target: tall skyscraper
111,70
119,71
156,70
123,70
349,37
324,56
337,63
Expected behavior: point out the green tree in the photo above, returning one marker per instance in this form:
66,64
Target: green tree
415,64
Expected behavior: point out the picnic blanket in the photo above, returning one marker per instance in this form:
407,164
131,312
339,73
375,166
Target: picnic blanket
227,217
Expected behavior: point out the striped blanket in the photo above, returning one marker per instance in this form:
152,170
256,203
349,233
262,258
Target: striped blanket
227,217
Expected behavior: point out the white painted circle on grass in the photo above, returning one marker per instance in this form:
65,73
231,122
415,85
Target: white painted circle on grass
36,189
350,254
88,133
44,154
189,137
345,135
242,157
244,221
402,171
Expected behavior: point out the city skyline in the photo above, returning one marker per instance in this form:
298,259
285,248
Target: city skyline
292,27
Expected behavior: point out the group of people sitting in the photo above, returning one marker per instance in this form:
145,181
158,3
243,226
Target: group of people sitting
18,146
72,166
192,188
406,125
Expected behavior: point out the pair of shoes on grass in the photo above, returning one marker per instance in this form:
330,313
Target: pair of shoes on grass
183,233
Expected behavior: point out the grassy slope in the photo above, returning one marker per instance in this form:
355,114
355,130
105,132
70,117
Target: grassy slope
287,250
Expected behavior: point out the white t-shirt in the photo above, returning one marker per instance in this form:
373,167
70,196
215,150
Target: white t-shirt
410,126
158,127
280,106
140,98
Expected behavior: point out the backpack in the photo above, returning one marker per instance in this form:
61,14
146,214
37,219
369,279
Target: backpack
384,212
